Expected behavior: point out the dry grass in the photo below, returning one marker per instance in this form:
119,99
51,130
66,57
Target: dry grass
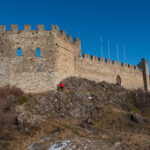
111,123
9,130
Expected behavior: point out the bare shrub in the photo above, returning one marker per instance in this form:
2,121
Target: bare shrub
7,120
142,102
10,90
8,97
29,130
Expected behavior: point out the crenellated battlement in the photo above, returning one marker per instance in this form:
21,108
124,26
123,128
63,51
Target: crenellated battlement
95,60
124,64
65,36
2,28
131,66
14,27
40,28
116,62
27,27
55,28
63,33
108,61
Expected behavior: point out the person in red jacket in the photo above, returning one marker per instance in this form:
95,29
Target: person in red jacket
61,85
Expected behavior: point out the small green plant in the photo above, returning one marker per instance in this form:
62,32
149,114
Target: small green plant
22,100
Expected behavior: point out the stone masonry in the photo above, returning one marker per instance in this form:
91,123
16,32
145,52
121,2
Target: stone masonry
60,57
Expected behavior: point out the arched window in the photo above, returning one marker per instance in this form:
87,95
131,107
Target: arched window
19,52
37,52
118,80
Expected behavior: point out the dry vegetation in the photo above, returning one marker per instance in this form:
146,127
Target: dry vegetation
61,114
9,97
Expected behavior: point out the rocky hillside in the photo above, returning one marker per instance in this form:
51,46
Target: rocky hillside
83,115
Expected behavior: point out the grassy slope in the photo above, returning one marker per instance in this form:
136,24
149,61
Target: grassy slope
111,122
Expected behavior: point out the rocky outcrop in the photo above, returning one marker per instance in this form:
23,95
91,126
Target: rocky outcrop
117,117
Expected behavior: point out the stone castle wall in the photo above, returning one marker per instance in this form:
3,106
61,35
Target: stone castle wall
101,70
24,71
60,57
4,71
67,50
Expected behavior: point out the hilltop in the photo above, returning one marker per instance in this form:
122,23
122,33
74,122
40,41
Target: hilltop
119,118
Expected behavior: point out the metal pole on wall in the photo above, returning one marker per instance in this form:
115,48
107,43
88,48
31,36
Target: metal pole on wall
101,48
108,50
124,53
117,51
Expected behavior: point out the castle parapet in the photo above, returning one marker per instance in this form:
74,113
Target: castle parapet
77,42
144,60
101,59
108,61
55,28
131,66
94,58
63,33
2,28
116,62
40,27
124,64
136,68
13,27
86,56
69,37
139,68
27,27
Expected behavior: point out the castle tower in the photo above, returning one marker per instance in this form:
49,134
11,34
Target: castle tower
144,66
36,60
67,51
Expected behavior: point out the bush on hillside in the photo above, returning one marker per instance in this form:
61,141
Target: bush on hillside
8,97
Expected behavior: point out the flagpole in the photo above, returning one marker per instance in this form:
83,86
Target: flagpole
124,53
101,48
117,51
108,50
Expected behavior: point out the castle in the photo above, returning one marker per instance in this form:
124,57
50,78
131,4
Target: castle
58,58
